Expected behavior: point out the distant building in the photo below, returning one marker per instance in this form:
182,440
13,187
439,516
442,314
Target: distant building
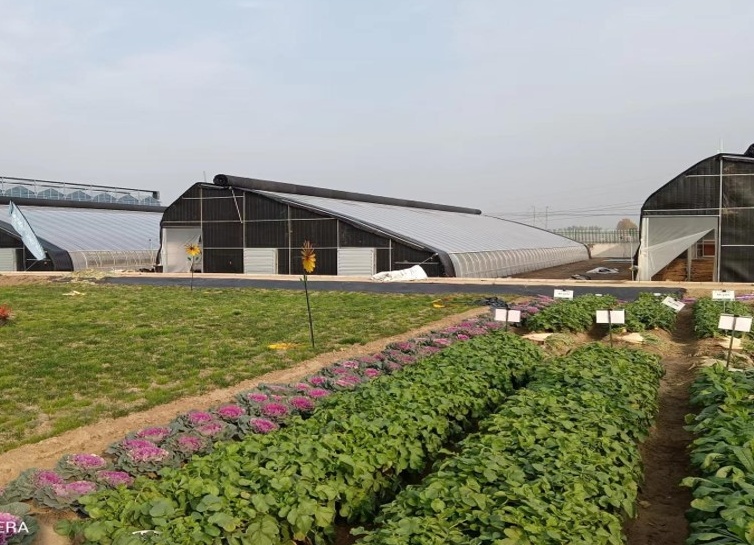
78,226
255,226
700,225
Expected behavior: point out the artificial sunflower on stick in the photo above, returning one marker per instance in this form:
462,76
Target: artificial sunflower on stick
193,251
308,262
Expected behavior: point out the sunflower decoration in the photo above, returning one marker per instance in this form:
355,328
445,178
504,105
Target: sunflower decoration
193,251
308,262
308,257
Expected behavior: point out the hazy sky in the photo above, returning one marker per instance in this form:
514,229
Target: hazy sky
499,105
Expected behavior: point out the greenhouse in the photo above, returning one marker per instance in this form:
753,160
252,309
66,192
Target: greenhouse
70,227
700,225
251,226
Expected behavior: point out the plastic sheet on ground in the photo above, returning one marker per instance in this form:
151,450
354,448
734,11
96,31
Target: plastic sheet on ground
414,273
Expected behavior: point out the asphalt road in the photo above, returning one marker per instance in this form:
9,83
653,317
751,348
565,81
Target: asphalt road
626,293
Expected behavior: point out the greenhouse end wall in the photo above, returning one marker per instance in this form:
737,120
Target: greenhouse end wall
721,186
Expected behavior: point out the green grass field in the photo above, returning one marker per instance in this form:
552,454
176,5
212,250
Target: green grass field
71,360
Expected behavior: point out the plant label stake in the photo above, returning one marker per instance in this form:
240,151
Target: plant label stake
611,317
724,296
675,304
734,323
562,294
506,315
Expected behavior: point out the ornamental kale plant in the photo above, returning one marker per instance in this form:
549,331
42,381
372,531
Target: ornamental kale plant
80,466
17,525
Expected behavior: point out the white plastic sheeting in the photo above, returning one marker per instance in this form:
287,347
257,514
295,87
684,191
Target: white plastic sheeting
96,238
174,241
414,273
663,238
479,246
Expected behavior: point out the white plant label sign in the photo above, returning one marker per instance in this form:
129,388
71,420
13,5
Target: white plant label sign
563,294
611,316
507,315
728,322
723,295
673,303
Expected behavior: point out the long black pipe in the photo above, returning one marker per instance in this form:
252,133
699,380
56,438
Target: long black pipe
80,204
224,180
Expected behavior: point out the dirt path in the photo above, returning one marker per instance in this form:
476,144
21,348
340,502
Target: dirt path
662,502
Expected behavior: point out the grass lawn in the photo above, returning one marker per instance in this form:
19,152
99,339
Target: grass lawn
71,360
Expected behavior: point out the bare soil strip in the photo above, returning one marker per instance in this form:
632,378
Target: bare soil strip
662,502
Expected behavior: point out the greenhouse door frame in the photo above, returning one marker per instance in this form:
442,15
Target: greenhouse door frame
690,229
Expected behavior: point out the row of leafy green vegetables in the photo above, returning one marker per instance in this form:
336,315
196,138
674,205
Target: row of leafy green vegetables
357,450
576,315
706,313
722,511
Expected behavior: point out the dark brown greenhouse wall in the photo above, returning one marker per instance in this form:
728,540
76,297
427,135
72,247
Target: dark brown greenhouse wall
9,241
225,234
350,236
262,208
737,264
184,210
267,234
225,260
405,257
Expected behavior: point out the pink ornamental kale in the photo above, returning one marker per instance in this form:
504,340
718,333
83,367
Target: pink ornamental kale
73,491
47,478
462,337
199,417
274,410
317,393
231,412
190,443
301,386
211,429
372,373
301,403
262,425
10,525
114,478
257,397
154,434
147,454
86,462
317,380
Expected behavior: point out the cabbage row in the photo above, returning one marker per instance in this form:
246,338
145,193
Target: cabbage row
559,463
342,462
722,511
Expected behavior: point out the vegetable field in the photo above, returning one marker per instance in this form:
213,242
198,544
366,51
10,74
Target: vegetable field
465,435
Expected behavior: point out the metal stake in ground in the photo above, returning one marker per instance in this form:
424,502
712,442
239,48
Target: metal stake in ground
732,336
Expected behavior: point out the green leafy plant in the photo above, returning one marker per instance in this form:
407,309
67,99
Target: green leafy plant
706,313
647,312
574,315
342,461
723,455
559,463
